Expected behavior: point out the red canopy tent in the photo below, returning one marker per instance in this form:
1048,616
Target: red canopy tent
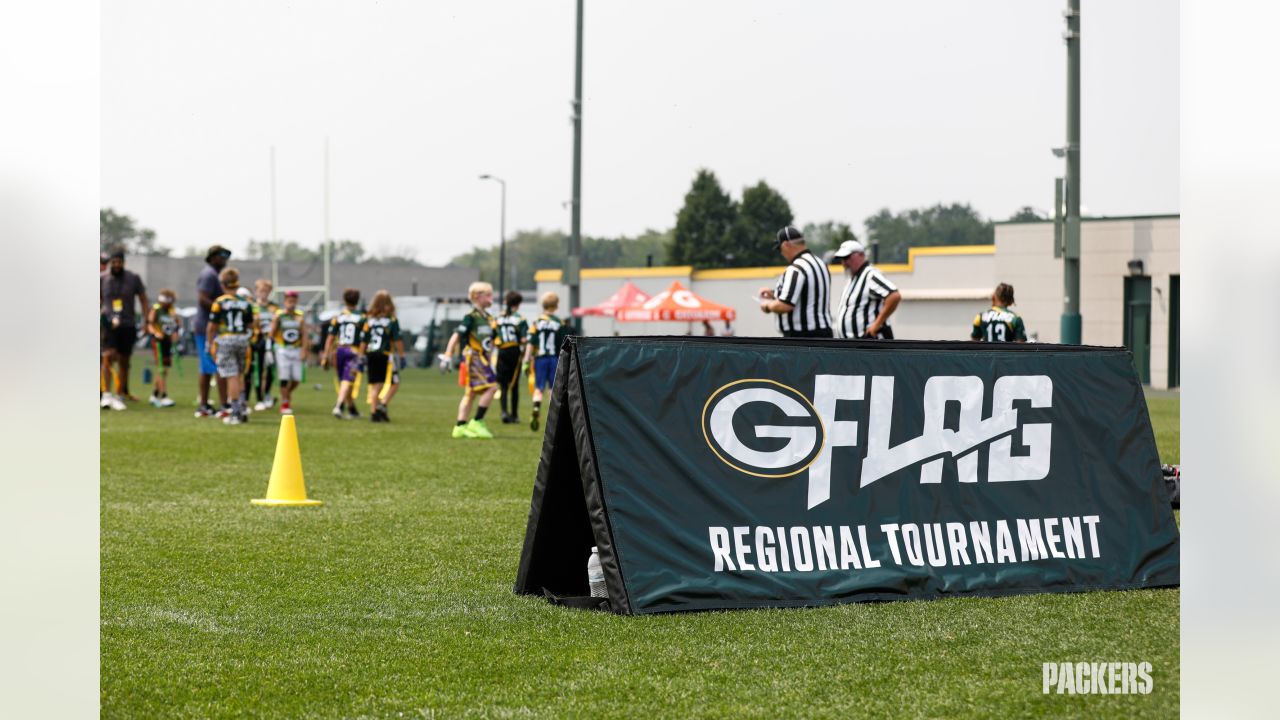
675,303
626,295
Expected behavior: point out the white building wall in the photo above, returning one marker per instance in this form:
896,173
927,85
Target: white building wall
1024,259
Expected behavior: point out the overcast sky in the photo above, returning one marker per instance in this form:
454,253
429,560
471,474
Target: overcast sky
844,107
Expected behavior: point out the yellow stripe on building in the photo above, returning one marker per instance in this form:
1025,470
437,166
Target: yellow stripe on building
759,273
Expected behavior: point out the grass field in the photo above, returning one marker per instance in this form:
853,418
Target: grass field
394,599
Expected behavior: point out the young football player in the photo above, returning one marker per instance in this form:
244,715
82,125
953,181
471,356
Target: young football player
380,337
231,330
513,334
999,324
162,323
479,382
263,367
289,335
545,338
342,349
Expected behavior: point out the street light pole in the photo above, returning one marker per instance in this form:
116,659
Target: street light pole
502,240
573,263
1071,324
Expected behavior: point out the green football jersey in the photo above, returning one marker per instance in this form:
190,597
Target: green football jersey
266,312
547,335
232,315
166,318
998,325
345,326
478,329
289,328
379,333
513,330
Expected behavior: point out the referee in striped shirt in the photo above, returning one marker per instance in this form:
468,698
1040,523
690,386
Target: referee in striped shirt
802,297
869,298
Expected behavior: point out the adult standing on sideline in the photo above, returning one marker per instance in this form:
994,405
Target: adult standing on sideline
999,324
120,290
869,298
208,288
802,297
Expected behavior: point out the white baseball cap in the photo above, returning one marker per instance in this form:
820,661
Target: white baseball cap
847,248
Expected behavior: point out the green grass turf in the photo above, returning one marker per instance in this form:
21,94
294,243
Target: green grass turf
394,599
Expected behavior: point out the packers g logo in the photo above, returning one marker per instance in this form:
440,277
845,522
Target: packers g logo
757,404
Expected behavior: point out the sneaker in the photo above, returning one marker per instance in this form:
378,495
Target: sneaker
203,411
117,403
479,429
533,424
104,402
285,409
155,401
167,402
460,431
232,420
337,413
506,418
262,405
224,413
353,413
268,402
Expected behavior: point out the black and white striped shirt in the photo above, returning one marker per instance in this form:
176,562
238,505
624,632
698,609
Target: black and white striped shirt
806,285
862,300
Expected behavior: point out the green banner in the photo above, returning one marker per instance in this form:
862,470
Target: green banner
731,473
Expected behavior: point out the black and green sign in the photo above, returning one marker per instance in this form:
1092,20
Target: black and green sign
746,472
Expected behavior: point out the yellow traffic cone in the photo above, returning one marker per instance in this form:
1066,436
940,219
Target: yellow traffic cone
286,486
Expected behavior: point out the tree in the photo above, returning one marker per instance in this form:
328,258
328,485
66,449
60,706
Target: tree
347,251
398,255
279,250
342,251
826,236
533,250
761,214
954,224
1026,213
119,229
703,224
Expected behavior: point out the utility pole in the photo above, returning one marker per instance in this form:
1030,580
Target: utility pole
275,250
324,250
502,238
1071,326
573,263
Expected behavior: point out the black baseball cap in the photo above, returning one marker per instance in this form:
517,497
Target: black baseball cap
215,250
785,234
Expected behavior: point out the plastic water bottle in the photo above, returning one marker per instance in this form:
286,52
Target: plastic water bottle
595,575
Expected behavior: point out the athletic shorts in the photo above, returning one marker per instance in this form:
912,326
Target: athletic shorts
207,365
480,374
345,363
508,367
121,339
544,372
233,355
378,365
164,351
289,363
